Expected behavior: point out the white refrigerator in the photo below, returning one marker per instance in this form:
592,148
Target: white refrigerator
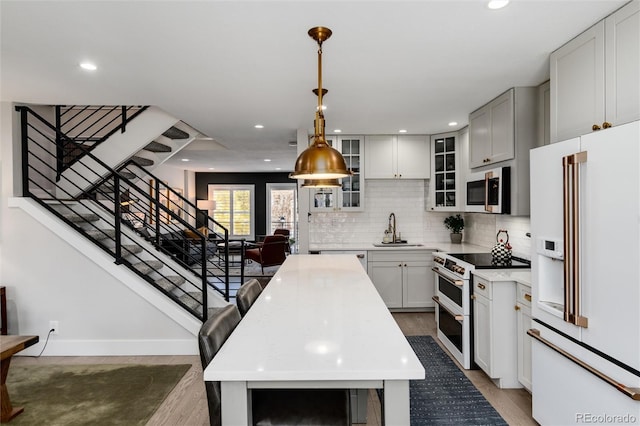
585,229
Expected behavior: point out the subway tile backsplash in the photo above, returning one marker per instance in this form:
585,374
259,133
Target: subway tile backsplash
406,198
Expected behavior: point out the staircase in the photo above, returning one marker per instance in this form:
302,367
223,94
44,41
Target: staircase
139,224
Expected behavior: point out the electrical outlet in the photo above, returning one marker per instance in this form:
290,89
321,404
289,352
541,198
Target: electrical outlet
53,325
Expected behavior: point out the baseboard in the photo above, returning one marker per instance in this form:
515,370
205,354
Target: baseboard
113,347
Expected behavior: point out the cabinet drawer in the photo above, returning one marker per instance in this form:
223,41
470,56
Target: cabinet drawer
482,287
393,255
523,295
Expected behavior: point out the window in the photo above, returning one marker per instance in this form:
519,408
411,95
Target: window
234,209
282,209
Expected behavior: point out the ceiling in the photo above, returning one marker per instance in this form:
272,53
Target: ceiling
224,66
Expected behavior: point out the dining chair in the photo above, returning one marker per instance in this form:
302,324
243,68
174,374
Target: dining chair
271,252
247,294
321,407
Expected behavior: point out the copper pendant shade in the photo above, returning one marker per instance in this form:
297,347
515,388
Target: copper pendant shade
321,183
320,161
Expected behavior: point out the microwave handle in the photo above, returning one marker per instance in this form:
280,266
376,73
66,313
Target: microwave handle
487,207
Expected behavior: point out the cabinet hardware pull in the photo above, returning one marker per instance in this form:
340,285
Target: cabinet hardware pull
633,393
527,297
400,265
458,318
606,125
481,286
472,297
517,308
360,256
595,127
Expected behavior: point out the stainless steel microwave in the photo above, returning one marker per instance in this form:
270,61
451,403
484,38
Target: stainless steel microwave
489,191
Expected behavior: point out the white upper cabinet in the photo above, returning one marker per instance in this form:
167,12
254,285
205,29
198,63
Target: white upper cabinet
446,181
491,132
397,157
594,77
350,196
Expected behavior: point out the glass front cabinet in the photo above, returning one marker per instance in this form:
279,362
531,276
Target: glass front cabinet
445,174
349,197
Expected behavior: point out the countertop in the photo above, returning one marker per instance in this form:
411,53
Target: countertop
319,319
445,247
518,275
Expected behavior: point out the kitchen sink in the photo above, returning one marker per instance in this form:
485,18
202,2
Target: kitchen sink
396,245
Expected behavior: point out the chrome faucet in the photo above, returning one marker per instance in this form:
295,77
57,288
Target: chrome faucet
392,229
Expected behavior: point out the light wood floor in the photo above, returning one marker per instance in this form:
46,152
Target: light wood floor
186,404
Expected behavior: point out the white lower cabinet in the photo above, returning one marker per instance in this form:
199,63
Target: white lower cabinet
403,278
523,321
494,330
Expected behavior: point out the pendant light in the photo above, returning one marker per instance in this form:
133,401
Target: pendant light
320,162
321,183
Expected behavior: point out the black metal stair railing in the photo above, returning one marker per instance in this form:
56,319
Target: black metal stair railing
170,237
81,128
107,217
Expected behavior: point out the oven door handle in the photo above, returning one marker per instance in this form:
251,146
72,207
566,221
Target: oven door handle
459,318
459,283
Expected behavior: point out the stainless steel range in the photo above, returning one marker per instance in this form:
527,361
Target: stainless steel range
454,314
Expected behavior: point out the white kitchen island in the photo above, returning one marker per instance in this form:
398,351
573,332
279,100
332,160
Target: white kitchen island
320,323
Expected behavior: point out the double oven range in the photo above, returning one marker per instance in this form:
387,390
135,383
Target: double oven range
454,287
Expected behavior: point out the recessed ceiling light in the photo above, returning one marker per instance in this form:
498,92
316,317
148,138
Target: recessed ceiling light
267,159
278,168
337,131
497,4
185,159
259,126
88,66
212,168
453,123
402,131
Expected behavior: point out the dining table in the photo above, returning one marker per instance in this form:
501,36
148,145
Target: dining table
319,323
9,346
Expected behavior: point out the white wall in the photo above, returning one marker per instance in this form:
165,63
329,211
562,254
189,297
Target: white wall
48,279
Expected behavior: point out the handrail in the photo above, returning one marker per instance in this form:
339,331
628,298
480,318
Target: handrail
44,169
99,123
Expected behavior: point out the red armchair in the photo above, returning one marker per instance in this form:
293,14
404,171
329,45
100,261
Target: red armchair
286,233
271,252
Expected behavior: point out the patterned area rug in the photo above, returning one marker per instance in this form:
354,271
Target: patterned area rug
446,396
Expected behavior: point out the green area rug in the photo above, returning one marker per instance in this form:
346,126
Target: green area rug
101,394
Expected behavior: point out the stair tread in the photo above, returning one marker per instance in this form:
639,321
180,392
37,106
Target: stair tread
81,217
101,234
192,300
175,133
141,161
154,146
132,248
148,266
170,282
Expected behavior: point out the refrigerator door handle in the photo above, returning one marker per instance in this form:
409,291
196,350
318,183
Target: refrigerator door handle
571,225
633,393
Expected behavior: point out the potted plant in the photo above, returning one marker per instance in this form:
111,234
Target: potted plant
456,225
